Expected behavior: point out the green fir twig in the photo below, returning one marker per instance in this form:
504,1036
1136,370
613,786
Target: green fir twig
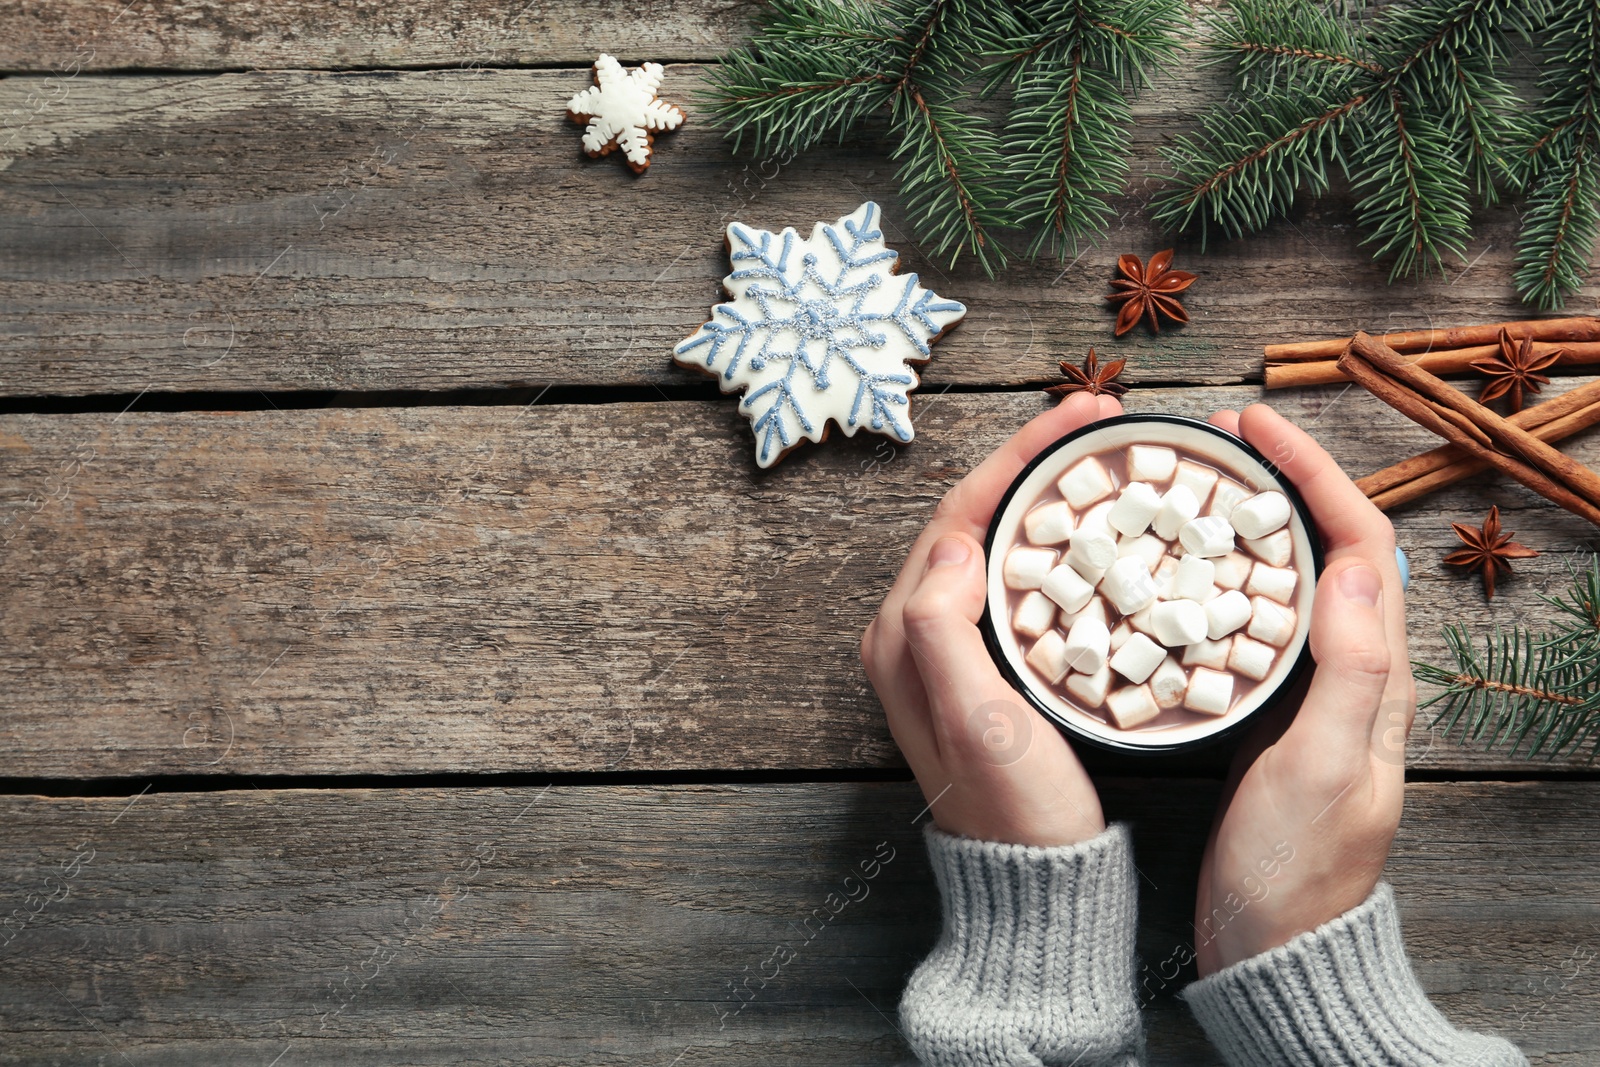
817,69
1534,692
1413,109
1561,160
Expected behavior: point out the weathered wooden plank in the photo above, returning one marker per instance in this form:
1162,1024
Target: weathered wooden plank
98,35
438,230
620,925
542,588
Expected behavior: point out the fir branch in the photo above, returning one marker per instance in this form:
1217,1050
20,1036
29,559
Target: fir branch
793,95
951,174
1414,199
1577,636
1249,162
1274,42
1279,51
1563,163
1063,153
1068,127
946,155
1539,692
1414,111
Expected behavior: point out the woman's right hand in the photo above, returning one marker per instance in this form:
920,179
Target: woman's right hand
1314,798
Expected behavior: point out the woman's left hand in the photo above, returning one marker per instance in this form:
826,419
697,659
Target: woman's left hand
989,765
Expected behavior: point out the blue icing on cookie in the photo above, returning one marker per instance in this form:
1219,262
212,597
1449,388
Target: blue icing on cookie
818,330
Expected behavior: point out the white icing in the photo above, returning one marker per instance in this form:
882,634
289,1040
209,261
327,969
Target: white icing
622,109
819,331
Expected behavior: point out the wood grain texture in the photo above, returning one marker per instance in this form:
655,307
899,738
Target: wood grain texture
205,35
441,230
613,925
543,588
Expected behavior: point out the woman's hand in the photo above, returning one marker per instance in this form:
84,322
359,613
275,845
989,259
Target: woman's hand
989,766
1314,798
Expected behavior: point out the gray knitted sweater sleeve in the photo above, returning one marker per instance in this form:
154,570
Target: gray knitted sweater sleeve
1342,995
1035,966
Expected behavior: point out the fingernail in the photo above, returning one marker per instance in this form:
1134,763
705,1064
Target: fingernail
1361,584
948,550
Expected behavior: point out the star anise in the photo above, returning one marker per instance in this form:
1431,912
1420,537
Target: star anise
1146,289
1488,550
1515,369
1094,378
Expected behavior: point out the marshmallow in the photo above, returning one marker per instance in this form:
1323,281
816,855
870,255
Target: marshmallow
1178,506
1178,622
1251,658
1085,483
1093,551
1094,609
1133,706
1120,635
1193,580
1067,587
1088,643
1141,620
1275,582
1049,524
1213,654
1128,585
1134,509
1196,478
1270,622
1261,514
1165,570
1232,570
1168,683
1091,689
1035,614
1048,656
1138,658
1227,495
1226,614
1025,567
1151,463
1206,536
1147,547
1210,692
1275,549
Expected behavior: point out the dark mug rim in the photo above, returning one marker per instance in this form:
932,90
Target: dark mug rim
991,640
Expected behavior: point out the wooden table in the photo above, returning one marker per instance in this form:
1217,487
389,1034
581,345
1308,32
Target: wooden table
405,663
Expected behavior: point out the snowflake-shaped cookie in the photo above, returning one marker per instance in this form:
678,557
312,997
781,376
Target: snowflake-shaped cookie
819,331
622,111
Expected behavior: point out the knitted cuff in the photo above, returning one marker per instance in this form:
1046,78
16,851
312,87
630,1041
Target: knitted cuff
1035,960
1342,995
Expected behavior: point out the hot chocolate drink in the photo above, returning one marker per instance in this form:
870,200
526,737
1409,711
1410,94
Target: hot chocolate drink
1151,586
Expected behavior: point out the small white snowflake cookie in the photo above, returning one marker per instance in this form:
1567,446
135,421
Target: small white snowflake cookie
621,110
819,331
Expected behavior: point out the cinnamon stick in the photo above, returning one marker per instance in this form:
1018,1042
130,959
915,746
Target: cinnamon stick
1441,362
1585,328
1555,419
1512,450
1554,430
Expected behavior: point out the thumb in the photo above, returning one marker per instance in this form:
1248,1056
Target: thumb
1350,645
965,690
